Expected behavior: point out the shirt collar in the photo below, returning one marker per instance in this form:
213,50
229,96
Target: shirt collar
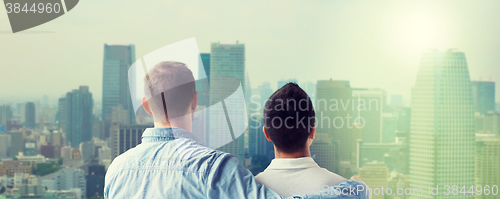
292,163
162,134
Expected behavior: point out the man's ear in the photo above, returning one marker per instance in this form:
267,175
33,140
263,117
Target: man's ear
265,133
194,102
312,134
145,105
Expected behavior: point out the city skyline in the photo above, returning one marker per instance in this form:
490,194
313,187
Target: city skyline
333,48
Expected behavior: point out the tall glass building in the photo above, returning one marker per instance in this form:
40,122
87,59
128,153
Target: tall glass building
484,96
227,61
333,107
79,116
442,144
115,85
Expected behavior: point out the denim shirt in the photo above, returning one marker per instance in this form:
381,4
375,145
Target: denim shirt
172,163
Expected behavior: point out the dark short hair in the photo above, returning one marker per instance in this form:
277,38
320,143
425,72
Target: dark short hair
169,88
283,113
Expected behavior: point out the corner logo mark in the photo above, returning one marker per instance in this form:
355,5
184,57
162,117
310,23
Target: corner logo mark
26,14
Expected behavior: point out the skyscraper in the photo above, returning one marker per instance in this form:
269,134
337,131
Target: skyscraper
5,141
61,113
334,118
202,86
5,114
30,115
17,146
79,106
369,105
484,96
227,60
115,85
442,124
487,162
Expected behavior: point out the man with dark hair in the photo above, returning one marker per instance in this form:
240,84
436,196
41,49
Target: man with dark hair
289,123
172,163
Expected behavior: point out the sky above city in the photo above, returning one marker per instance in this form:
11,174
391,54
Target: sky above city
373,44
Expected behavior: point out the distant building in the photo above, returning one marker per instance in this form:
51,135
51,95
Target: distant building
6,114
95,180
325,153
61,113
484,96
488,123
227,60
334,117
115,86
369,104
487,162
66,179
17,143
396,100
30,115
442,123
88,151
5,145
126,137
79,106
389,127
375,175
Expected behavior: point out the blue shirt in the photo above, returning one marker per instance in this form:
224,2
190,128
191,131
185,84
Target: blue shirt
172,163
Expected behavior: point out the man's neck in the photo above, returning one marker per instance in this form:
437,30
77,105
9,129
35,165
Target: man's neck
299,154
184,122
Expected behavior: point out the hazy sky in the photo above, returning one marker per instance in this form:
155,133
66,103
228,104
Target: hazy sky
373,44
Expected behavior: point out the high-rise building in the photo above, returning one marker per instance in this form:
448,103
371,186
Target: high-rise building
442,124
375,176
115,85
29,115
487,162
484,96
5,141
17,143
79,106
6,114
389,127
126,137
488,123
325,153
95,180
227,60
281,83
369,105
61,113
334,118
202,86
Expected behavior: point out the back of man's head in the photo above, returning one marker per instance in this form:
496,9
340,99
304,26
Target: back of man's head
289,118
169,90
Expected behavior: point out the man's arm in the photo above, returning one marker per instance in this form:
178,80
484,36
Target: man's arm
229,179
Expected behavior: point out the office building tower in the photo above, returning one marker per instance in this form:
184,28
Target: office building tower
87,150
487,162
95,180
61,113
375,176
442,124
104,154
126,137
488,123
389,127
227,60
5,145
484,96
325,153
281,83
79,106
17,143
30,148
334,118
259,97
369,105
115,85
6,114
29,115
202,85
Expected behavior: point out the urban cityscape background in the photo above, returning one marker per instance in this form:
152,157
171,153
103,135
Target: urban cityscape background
441,126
